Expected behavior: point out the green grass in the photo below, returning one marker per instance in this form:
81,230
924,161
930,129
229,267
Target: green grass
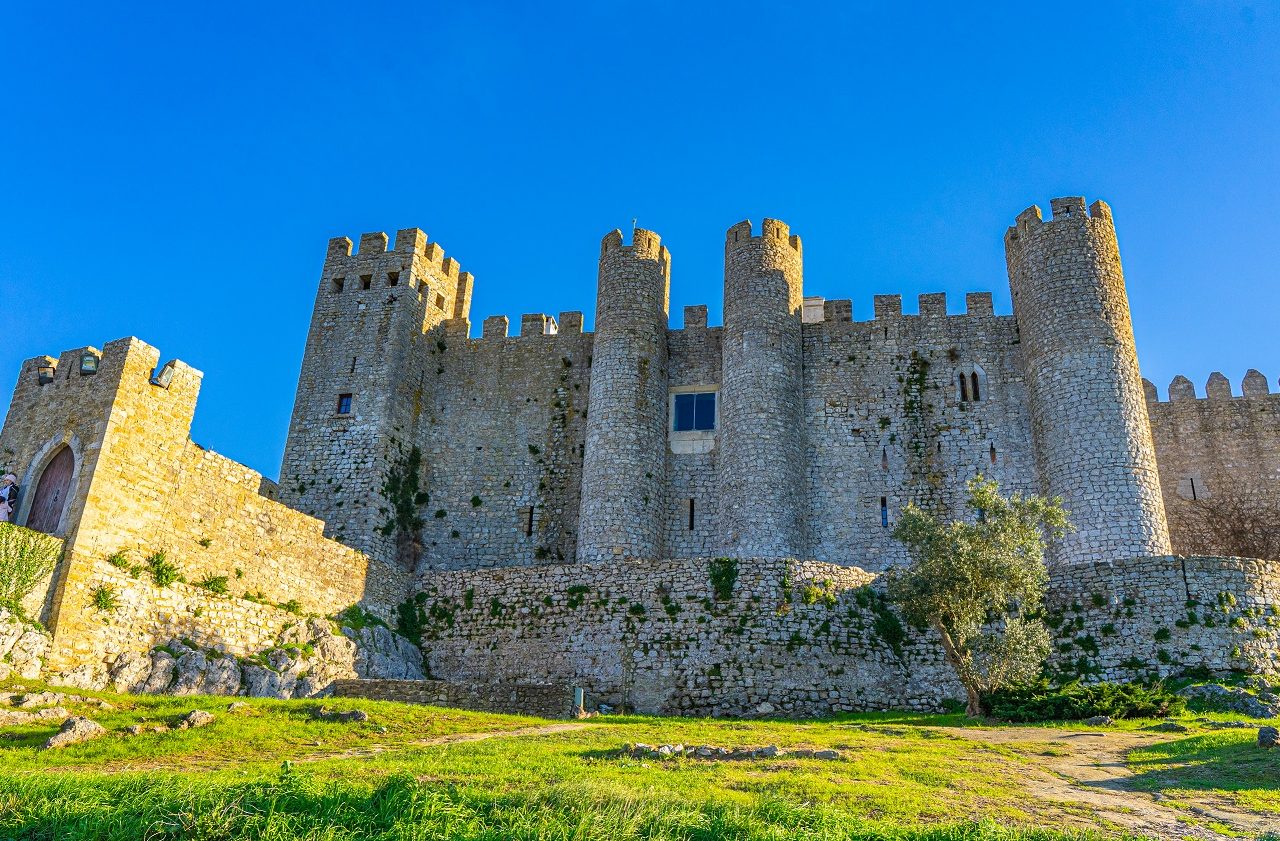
902,776
1228,762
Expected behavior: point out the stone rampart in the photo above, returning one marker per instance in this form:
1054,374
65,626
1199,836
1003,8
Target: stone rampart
541,699
1219,460
698,637
1159,616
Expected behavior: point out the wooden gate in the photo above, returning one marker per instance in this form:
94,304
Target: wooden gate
51,493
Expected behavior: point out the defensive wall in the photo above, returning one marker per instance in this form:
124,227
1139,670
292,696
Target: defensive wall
140,486
808,638
1219,457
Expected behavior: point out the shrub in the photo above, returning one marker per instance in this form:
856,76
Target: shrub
119,559
26,558
1042,702
410,621
292,606
214,584
356,618
163,573
103,598
724,574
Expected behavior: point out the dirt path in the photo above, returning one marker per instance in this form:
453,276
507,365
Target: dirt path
1092,772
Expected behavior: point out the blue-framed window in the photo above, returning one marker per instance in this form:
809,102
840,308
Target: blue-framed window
344,404
695,412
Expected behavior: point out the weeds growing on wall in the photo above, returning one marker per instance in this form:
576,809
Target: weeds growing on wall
214,584
163,572
357,618
402,488
724,575
103,598
411,621
26,558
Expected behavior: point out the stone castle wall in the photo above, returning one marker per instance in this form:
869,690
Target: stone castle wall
140,487
887,422
807,638
1156,617
662,636
1219,459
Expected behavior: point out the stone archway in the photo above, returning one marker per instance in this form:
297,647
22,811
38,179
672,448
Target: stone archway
49,500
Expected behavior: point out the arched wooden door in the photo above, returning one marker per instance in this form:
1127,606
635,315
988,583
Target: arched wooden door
51,493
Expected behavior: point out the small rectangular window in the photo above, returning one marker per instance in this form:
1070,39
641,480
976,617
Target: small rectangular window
695,412
526,521
338,283
884,512
366,281
690,501
344,404
393,278
439,301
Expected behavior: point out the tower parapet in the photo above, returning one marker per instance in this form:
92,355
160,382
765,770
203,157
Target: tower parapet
1088,408
378,312
761,466
624,461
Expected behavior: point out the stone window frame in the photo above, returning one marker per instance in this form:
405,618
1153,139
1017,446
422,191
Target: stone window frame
694,441
963,391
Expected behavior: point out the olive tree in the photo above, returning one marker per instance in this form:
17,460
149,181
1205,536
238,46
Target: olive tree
979,583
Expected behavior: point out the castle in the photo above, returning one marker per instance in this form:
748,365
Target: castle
556,505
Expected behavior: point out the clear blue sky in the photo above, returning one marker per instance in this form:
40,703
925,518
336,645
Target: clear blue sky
174,173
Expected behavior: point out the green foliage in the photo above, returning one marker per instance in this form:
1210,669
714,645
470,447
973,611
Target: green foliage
980,584
163,572
26,558
411,621
292,606
577,594
1162,634
206,542
402,489
214,584
103,598
813,593
724,575
476,502
119,559
1042,702
357,618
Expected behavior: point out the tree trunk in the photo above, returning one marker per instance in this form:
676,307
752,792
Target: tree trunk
973,703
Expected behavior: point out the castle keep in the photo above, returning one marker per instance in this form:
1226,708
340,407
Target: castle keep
645,510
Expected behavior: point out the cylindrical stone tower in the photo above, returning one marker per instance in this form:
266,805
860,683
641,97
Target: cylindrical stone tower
761,437
1088,413
624,461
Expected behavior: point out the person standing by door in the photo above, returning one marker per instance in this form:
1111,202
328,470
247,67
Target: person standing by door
8,497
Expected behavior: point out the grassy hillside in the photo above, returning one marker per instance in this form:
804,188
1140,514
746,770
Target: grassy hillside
271,771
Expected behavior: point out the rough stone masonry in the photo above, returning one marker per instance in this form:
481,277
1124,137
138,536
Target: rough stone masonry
553,507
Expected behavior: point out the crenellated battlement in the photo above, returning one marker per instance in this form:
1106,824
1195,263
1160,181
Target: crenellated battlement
533,326
1217,387
741,235
116,364
374,251
645,245
931,305
1065,210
